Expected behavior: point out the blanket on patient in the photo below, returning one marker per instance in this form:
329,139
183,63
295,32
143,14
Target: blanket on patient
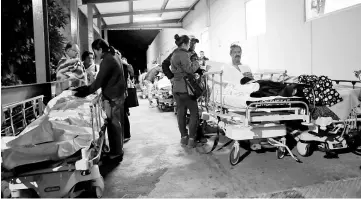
63,129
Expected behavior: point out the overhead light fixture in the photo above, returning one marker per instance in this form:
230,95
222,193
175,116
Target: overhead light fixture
139,19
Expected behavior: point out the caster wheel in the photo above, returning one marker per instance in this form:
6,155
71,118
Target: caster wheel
234,156
97,187
281,152
304,149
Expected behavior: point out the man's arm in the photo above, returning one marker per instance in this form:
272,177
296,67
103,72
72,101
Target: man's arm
165,67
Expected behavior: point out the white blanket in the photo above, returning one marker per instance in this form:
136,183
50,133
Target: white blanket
63,129
351,99
163,83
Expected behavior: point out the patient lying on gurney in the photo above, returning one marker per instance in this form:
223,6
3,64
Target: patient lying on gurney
63,129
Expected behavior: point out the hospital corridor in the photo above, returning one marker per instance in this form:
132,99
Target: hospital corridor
181,99
156,166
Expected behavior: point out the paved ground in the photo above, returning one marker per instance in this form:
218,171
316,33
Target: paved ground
155,165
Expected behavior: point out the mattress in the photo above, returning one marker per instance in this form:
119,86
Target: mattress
238,96
63,129
351,98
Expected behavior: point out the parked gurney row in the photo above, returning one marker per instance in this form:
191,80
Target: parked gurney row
269,122
58,154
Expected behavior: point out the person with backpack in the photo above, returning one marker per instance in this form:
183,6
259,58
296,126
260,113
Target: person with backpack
181,65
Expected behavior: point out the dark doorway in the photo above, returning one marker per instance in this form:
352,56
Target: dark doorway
133,45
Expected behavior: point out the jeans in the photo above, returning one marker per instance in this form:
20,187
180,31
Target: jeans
149,89
126,123
115,113
184,102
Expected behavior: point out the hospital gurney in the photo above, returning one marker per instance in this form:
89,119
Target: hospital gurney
163,94
258,121
65,177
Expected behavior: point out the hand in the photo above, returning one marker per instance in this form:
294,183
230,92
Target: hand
248,74
208,67
81,91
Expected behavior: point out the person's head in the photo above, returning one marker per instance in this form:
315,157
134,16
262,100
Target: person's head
88,58
182,41
72,50
100,46
193,42
236,53
201,53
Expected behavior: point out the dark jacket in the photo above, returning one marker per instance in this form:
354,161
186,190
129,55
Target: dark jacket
110,78
152,74
181,65
167,62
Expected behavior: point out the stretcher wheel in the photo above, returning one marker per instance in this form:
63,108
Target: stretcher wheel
281,152
304,149
143,96
97,187
234,156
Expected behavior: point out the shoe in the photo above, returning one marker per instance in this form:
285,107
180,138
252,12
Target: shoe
184,140
126,140
202,140
191,143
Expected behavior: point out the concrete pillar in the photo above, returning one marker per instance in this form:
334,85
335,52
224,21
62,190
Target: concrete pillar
74,30
41,40
208,2
90,26
106,35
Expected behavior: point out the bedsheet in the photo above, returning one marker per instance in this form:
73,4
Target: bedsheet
63,129
351,98
238,95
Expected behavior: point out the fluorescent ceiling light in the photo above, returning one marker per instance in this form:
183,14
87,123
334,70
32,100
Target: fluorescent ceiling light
147,18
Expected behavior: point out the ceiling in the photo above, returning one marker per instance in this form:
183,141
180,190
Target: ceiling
128,14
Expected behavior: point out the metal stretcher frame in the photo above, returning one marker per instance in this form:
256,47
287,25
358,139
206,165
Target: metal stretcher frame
276,139
83,169
220,109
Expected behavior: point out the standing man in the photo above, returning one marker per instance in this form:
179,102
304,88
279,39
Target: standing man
149,81
202,59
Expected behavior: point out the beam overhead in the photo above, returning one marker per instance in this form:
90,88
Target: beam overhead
104,1
142,12
145,27
191,8
141,23
98,13
164,5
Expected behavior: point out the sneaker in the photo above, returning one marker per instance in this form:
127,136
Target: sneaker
191,143
203,140
126,140
184,140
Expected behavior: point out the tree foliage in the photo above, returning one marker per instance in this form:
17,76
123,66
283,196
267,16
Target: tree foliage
18,53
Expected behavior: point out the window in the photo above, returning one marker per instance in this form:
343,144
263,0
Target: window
255,17
318,8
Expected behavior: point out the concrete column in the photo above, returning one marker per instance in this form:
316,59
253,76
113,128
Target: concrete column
74,30
90,26
41,40
208,2
106,34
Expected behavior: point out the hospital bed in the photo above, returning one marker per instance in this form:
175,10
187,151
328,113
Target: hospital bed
260,122
58,154
163,94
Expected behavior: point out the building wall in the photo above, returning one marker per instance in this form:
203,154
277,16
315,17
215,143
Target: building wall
330,45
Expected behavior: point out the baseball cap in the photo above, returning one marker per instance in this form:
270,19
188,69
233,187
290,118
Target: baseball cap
193,38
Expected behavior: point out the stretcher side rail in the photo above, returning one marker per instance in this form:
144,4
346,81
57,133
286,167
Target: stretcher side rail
220,108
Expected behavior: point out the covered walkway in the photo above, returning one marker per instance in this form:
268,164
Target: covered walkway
156,166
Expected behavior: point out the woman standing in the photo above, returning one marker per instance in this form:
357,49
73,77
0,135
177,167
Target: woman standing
112,82
181,65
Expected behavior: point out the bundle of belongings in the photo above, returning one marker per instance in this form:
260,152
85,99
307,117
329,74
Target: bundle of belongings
63,129
74,71
324,99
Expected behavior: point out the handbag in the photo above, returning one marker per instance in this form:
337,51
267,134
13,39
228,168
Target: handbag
194,88
132,98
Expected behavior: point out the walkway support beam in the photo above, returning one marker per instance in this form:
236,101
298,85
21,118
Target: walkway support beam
90,7
41,40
